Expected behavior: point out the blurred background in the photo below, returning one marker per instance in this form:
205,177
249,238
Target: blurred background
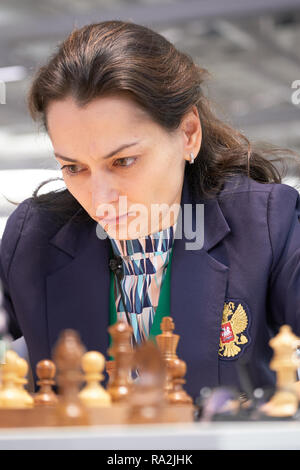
251,49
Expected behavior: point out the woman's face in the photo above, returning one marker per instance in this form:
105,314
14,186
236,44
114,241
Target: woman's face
115,160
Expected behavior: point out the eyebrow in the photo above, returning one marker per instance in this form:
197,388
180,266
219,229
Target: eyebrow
109,155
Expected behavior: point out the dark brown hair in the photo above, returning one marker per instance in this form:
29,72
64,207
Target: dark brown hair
116,57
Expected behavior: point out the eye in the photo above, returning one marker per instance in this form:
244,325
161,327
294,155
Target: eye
71,169
125,162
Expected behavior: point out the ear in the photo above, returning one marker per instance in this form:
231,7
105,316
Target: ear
191,133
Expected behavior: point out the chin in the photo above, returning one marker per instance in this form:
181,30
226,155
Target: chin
126,231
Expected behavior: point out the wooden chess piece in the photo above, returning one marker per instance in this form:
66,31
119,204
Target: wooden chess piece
21,381
120,383
67,356
93,394
147,398
45,370
285,363
167,342
10,394
110,368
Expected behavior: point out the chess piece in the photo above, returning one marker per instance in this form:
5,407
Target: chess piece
45,370
67,356
167,342
11,396
21,381
285,363
110,368
121,350
93,394
147,398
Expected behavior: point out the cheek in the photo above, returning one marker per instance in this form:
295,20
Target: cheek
79,190
155,187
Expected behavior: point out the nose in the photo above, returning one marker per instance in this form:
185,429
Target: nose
103,193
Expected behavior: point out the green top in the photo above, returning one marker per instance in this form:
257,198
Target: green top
163,308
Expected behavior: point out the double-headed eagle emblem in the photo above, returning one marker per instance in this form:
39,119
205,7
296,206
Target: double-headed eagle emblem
234,324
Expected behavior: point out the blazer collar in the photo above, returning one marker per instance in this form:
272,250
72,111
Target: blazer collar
68,236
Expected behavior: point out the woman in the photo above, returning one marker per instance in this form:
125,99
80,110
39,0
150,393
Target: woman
129,122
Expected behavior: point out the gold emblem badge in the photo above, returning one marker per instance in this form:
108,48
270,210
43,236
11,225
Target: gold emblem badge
233,330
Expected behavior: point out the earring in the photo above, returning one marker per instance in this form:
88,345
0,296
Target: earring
192,158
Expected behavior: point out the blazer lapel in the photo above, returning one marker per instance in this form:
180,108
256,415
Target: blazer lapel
198,289
78,292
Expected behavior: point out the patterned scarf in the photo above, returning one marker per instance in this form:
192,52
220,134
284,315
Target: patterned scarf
144,266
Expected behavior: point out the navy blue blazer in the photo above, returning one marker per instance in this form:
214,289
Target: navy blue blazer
56,276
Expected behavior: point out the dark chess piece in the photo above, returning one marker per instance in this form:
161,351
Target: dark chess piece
147,400
67,356
167,342
45,370
110,368
120,382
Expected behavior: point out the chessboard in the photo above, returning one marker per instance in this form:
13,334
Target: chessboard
155,395
146,385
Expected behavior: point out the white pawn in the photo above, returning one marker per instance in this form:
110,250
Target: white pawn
10,394
21,381
93,394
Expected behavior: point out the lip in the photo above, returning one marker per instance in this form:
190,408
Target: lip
114,220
